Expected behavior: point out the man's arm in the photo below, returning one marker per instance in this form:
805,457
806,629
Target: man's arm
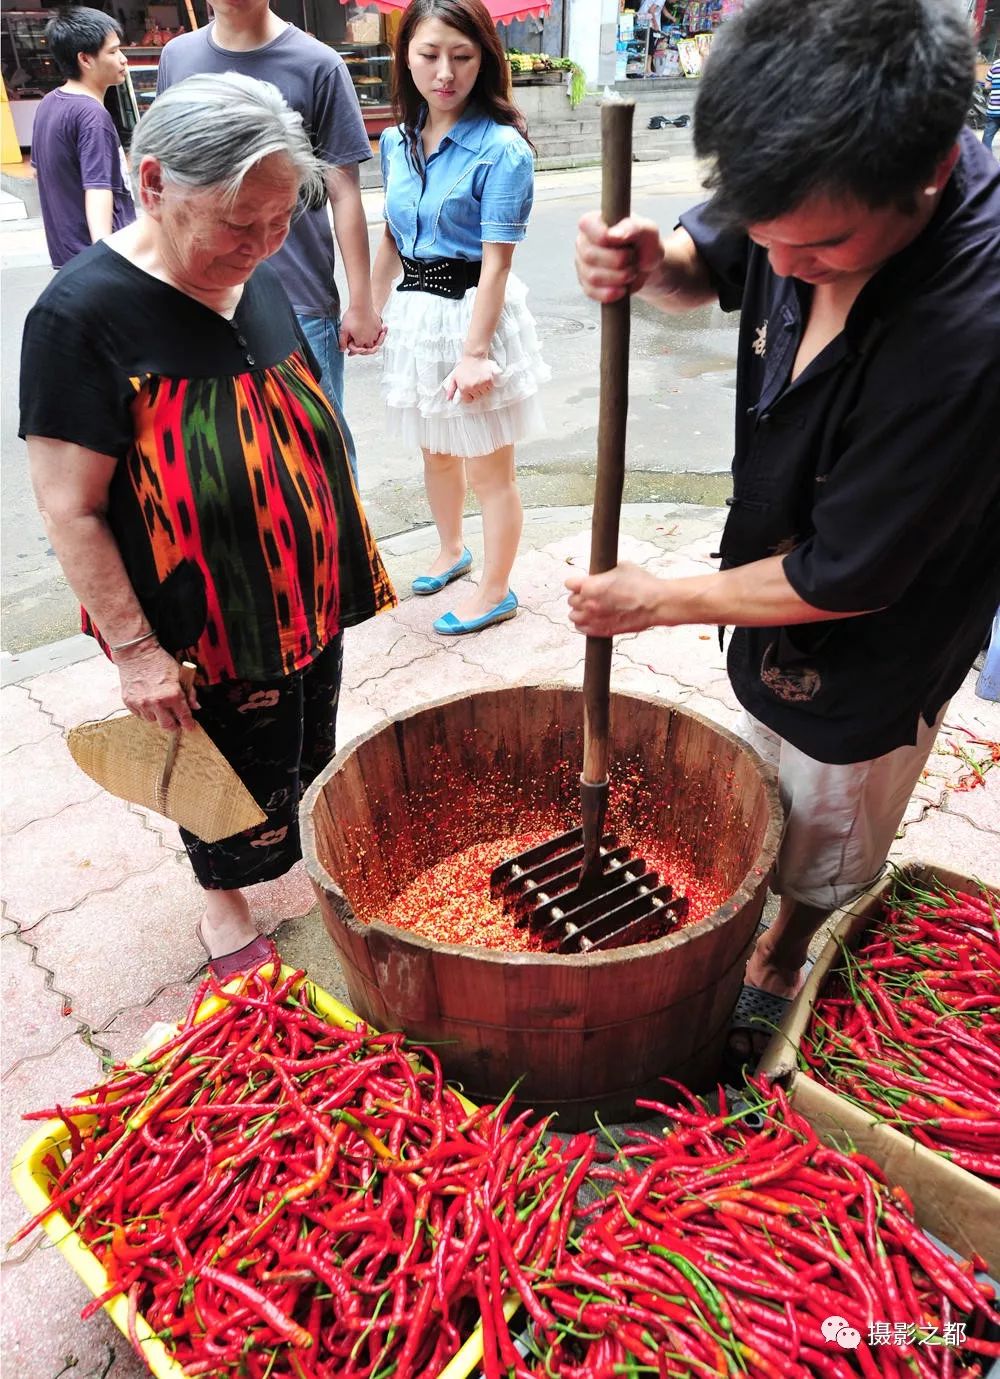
100,155
681,279
98,207
628,599
361,329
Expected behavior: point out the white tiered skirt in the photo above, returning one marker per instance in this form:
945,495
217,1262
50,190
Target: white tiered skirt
424,341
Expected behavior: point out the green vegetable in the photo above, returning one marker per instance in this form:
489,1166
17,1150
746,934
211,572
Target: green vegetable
542,62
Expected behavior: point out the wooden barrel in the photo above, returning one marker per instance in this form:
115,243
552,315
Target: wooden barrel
583,1033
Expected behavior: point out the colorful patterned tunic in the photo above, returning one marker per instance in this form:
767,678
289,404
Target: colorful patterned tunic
233,504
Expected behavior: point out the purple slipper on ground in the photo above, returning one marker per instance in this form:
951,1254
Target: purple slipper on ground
253,954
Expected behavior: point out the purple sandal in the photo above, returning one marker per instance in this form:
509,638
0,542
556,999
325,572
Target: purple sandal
253,954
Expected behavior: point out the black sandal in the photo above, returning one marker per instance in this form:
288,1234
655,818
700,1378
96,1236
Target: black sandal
756,1017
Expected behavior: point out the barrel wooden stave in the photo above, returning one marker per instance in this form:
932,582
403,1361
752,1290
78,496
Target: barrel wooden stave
584,1032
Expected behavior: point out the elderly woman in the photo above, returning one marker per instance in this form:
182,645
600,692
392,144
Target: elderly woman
192,476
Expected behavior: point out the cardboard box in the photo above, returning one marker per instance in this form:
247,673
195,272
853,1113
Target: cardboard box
959,1208
365,28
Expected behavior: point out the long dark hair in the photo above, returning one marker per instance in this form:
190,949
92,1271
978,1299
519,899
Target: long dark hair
491,91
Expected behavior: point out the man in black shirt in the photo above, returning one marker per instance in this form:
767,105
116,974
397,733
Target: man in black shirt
856,225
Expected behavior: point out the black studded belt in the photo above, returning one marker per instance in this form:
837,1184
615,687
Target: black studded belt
439,277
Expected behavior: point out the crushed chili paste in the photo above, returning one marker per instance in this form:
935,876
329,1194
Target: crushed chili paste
450,902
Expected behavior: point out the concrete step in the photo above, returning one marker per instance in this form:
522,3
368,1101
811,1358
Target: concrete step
668,141
589,109
559,161
583,150
660,143
568,137
12,207
24,190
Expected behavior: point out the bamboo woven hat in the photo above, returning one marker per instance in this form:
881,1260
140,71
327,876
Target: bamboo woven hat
181,775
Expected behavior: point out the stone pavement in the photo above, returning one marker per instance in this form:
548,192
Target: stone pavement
99,904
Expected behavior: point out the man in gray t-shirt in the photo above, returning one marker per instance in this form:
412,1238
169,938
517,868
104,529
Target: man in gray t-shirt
248,37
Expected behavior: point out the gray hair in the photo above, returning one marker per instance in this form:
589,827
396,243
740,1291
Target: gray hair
209,131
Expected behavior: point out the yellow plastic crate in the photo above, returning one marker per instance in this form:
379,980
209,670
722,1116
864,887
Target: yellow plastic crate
33,1182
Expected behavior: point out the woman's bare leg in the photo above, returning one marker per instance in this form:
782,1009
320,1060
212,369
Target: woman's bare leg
445,482
494,483
226,925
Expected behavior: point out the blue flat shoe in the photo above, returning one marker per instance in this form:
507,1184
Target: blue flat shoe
433,584
450,626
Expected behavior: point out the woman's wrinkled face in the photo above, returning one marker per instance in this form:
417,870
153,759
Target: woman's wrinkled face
211,242
444,65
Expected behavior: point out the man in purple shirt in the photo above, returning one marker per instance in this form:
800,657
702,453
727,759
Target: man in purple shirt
83,183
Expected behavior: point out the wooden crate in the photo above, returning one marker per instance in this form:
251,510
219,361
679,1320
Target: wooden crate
959,1208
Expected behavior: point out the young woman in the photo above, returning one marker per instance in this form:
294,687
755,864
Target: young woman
462,365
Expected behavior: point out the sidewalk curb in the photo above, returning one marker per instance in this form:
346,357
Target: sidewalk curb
18,667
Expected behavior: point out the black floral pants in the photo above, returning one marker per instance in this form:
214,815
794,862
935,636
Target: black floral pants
277,736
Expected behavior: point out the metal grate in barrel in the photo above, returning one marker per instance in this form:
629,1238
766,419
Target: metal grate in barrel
623,903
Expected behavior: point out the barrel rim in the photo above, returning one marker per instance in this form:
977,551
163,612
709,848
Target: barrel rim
753,881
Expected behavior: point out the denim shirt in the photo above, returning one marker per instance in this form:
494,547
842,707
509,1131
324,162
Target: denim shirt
477,188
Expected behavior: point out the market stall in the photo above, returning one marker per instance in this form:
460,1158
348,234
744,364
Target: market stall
30,72
362,36
365,43
362,31
671,39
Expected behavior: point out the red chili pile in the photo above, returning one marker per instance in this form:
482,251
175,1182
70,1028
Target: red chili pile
909,1027
451,903
719,1248
280,1198
283,1199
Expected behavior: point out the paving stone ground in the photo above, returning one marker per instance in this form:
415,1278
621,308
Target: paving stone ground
99,904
